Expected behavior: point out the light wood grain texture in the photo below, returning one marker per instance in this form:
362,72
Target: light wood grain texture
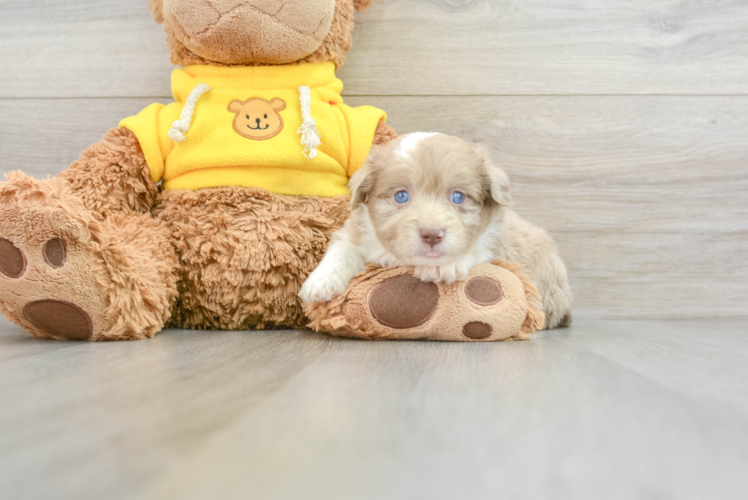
607,409
94,48
646,196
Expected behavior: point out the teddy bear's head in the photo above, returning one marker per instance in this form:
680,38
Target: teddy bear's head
257,32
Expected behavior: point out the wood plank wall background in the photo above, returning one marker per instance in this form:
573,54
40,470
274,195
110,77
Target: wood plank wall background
623,123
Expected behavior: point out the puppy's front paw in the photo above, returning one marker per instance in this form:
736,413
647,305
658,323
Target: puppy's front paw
442,274
453,272
322,287
427,273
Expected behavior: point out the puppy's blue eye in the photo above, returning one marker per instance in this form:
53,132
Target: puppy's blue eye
458,198
402,197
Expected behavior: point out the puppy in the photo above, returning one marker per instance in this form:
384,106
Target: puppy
435,202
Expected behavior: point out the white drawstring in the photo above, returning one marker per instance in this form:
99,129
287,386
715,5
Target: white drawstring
310,137
180,127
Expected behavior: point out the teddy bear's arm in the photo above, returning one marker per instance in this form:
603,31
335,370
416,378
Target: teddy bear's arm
112,175
384,134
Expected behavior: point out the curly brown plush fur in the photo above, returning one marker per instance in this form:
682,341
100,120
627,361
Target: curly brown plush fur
157,8
243,253
112,176
361,5
384,134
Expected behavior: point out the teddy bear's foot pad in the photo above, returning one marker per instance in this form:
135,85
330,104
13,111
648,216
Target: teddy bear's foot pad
477,331
50,281
60,319
12,260
496,302
404,302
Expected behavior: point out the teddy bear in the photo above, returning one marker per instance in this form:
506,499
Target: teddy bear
208,212
211,211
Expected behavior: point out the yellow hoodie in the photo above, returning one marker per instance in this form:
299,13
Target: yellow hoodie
280,128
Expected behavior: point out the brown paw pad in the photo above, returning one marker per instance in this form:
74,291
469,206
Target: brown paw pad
484,291
477,330
60,319
404,302
12,260
55,253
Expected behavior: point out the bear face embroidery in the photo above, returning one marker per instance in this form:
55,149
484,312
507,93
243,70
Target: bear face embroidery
258,119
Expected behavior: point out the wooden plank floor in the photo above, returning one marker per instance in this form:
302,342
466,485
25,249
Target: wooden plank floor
606,409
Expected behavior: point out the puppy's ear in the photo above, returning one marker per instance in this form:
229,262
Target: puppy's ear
500,186
498,181
157,9
361,5
361,185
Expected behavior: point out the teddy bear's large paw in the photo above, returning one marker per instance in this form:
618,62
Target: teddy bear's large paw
49,282
495,302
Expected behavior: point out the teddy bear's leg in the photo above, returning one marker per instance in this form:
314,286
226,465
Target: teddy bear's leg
244,253
68,275
77,259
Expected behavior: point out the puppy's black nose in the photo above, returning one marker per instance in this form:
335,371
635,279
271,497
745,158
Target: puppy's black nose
258,121
432,237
